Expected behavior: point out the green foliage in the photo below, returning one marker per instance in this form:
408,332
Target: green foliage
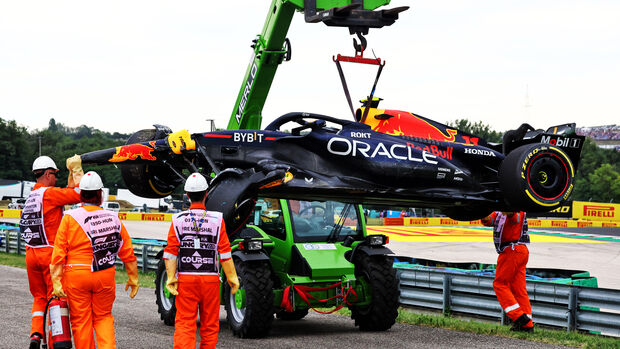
59,142
598,176
18,147
477,129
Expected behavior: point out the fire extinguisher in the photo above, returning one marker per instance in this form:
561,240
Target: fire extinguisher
59,324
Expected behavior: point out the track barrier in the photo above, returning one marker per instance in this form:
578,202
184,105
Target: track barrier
422,221
567,306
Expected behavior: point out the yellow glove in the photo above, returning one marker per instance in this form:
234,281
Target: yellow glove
56,274
231,275
132,281
171,271
74,165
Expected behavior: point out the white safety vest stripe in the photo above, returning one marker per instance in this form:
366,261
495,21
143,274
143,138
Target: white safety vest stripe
168,255
37,313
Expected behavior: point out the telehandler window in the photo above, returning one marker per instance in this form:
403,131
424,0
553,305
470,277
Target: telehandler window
319,221
268,217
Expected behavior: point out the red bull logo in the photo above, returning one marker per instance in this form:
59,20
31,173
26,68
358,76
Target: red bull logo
133,151
407,124
122,216
433,149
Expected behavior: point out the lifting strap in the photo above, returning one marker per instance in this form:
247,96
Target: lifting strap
358,58
304,292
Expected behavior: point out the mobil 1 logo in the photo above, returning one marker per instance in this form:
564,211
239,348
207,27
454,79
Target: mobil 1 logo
564,142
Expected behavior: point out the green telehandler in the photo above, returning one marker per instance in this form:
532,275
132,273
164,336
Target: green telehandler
293,255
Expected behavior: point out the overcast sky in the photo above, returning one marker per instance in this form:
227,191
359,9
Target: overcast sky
125,65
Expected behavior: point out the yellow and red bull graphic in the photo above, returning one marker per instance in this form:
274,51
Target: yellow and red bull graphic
401,123
596,211
133,151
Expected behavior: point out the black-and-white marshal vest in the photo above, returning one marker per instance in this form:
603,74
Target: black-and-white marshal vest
103,229
198,232
498,230
31,224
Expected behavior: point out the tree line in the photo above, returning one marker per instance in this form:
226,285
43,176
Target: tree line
19,147
597,179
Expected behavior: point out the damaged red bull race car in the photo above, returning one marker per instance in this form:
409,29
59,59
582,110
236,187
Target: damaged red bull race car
390,158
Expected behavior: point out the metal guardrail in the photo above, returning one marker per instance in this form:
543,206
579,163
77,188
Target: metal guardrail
145,252
568,306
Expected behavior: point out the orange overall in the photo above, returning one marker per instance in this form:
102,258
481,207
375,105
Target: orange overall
197,291
90,294
38,259
509,284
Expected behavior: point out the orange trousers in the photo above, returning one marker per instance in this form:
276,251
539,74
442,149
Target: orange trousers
509,283
91,296
39,282
197,292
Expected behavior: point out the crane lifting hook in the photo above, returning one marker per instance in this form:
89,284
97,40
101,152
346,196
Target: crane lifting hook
361,47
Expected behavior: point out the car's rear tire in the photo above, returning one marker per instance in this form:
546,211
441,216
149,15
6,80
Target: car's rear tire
536,177
255,317
165,305
380,276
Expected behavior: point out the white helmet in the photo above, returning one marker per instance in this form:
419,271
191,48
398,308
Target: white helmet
43,163
196,183
91,181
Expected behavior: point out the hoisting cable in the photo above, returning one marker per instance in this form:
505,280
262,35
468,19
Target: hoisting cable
358,58
374,86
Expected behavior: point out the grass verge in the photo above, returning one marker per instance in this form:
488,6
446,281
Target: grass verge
544,335
145,280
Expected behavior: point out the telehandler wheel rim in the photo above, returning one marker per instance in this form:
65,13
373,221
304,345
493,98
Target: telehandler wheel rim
165,296
237,313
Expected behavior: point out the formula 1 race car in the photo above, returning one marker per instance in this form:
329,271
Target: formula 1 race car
324,158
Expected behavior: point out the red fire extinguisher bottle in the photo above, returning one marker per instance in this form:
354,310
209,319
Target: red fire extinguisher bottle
60,327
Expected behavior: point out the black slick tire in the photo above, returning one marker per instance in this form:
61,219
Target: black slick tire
536,177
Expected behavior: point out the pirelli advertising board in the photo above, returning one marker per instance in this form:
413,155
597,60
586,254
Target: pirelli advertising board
596,211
